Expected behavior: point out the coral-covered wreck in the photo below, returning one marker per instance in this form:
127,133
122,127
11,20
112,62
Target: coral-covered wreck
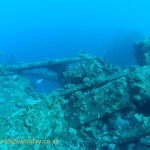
99,106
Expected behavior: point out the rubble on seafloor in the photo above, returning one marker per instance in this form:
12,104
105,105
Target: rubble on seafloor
99,106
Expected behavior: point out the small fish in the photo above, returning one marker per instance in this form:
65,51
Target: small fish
39,81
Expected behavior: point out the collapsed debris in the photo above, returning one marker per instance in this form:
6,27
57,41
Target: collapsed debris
99,106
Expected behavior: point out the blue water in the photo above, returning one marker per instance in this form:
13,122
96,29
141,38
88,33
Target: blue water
34,30
39,29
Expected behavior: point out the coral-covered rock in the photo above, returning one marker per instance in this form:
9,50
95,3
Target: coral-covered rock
142,52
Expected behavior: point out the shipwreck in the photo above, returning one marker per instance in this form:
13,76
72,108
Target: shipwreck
99,105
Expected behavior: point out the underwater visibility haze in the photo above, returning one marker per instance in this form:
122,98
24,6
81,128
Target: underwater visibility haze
35,30
74,75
